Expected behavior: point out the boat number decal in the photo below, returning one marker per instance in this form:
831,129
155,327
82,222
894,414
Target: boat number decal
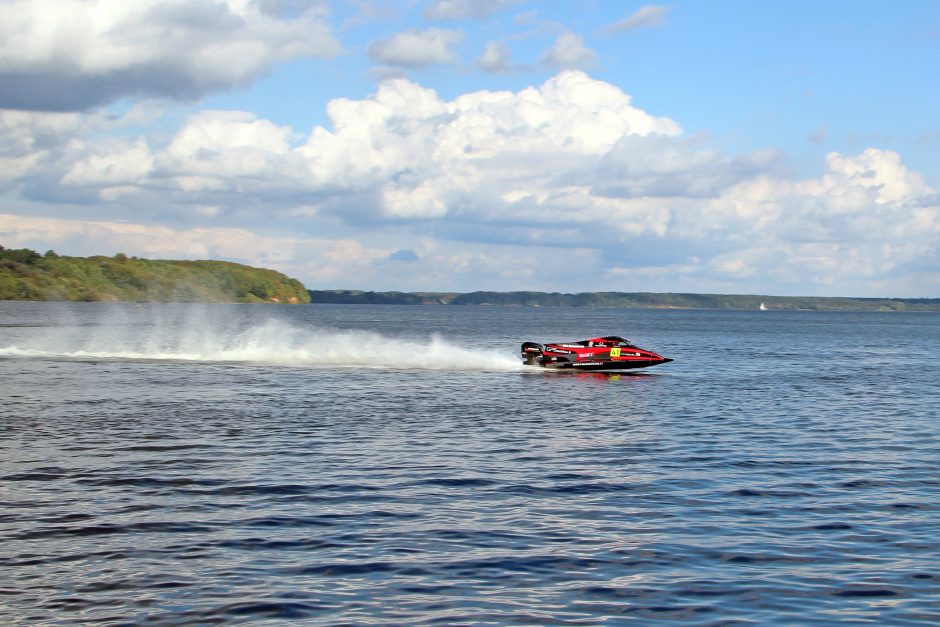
615,353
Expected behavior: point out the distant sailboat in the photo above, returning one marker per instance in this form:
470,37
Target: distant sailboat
763,307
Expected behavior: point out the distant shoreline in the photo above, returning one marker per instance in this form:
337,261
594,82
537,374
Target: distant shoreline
627,300
28,276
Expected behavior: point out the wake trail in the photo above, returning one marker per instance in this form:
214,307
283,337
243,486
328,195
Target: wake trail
274,342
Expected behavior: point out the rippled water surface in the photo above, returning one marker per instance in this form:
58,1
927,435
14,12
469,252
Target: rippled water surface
397,465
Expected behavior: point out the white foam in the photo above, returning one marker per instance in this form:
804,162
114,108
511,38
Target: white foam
272,342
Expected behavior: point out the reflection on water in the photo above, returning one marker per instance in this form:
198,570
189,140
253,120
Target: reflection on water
201,465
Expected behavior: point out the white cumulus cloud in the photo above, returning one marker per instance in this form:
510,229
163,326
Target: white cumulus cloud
414,49
569,51
71,55
465,9
496,59
492,187
647,16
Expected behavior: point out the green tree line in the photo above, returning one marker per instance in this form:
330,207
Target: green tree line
27,275
629,300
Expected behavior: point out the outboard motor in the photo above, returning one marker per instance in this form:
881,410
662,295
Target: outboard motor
531,351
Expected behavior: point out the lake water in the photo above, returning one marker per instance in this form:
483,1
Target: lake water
333,464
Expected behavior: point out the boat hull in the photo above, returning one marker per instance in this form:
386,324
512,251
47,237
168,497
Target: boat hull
605,354
602,366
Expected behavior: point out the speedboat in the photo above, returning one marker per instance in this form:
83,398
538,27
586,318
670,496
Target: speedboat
599,353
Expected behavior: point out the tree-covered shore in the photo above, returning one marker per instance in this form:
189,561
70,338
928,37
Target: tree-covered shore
627,300
27,275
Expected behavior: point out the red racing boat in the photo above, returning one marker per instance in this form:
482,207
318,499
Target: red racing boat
599,353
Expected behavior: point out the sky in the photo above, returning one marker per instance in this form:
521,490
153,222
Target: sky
707,146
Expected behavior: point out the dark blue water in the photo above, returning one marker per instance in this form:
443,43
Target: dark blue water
395,465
